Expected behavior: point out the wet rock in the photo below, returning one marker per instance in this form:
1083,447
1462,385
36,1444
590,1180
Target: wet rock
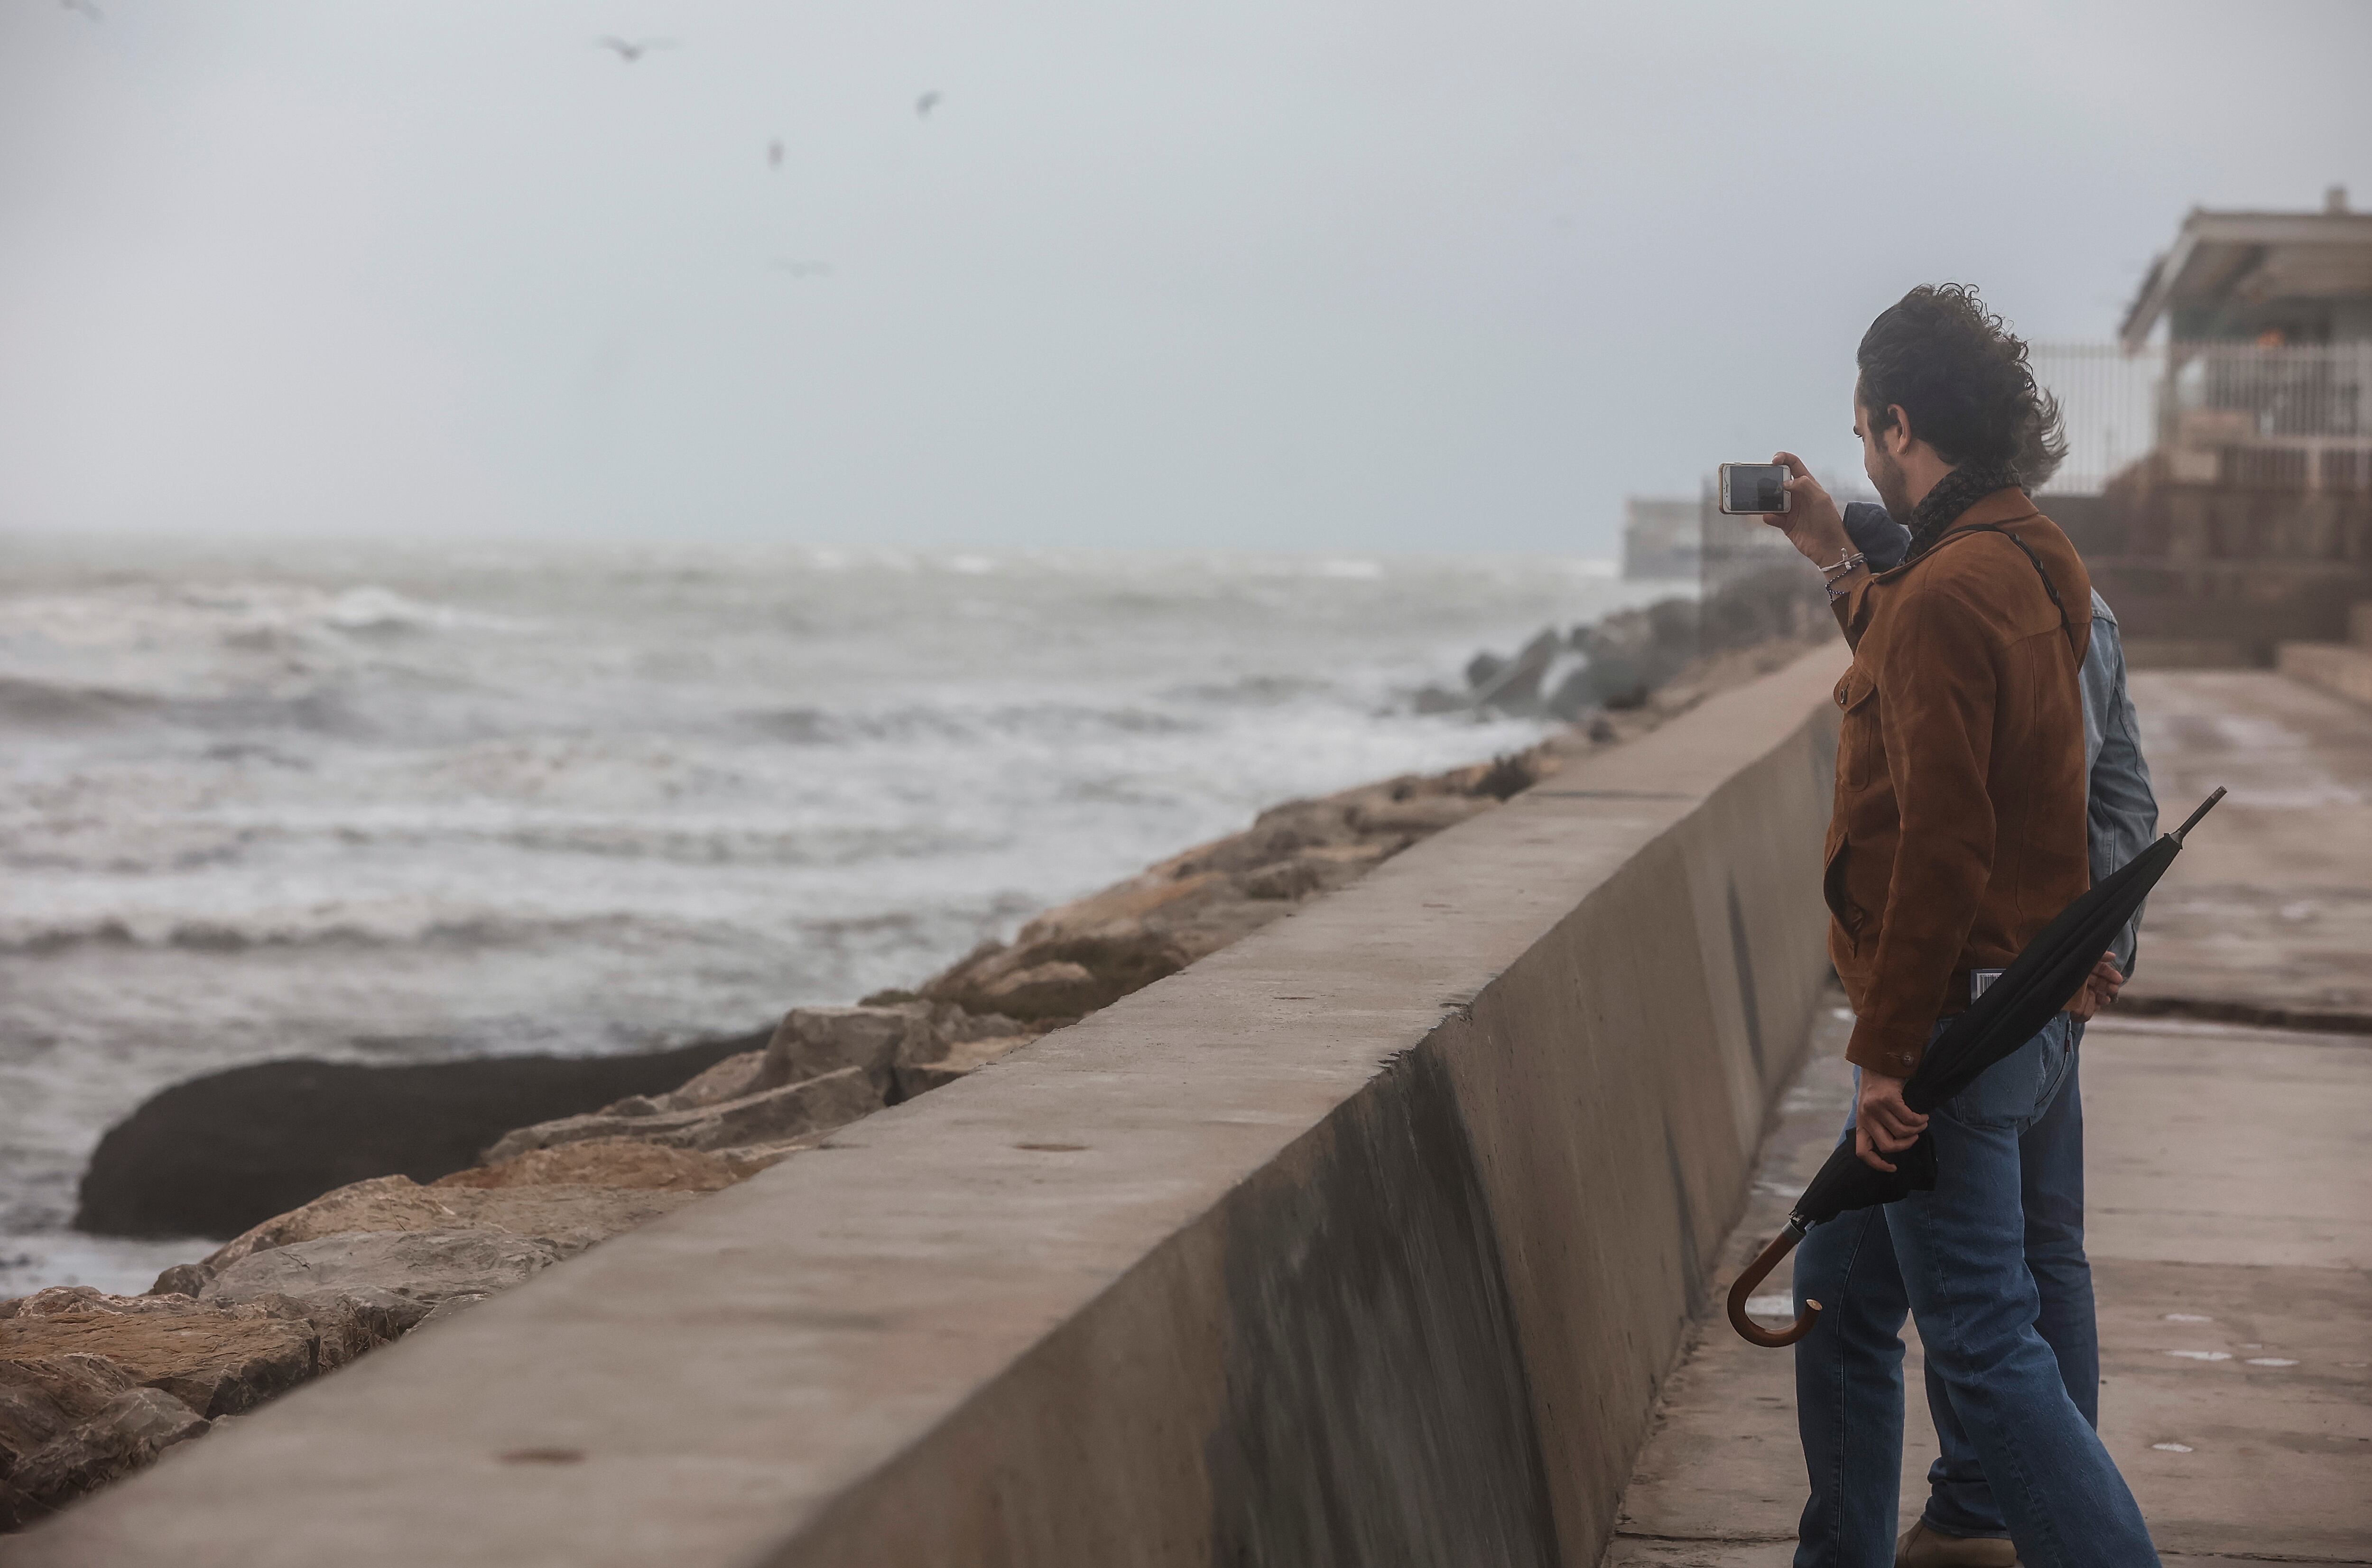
214,1360
958,1045
769,1116
812,1042
611,1162
219,1154
44,1396
729,1079
445,1311
125,1435
1516,687
385,1203
419,1267
1418,817
181,1279
1574,695
1510,773
570,1217
1087,954
1059,989
956,1061
347,1323
1313,871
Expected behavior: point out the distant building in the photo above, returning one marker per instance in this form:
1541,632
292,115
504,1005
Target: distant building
2271,280
2249,519
1661,537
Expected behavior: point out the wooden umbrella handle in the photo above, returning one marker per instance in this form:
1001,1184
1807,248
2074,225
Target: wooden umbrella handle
1755,1273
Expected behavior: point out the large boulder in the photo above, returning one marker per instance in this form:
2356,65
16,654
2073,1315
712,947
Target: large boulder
1319,870
1513,687
770,1116
216,1360
613,1162
123,1435
93,1386
43,1397
744,1074
812,1042
569,1217
936,1061
219,1154
419,1267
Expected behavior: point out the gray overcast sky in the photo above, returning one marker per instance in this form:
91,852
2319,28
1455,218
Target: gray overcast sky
1328,273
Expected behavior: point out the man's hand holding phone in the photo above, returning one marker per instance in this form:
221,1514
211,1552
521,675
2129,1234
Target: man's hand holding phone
1815,527
1811,522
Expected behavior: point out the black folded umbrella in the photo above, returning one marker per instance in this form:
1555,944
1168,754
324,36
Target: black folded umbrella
2013,1009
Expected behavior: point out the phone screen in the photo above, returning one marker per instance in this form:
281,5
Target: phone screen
1755,487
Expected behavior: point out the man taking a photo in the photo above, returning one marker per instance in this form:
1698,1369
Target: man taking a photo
1959,831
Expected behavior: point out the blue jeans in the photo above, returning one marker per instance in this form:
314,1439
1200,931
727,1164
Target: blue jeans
2051,1187
1958,1258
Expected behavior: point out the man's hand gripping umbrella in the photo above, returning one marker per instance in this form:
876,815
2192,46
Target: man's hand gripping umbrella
2054,966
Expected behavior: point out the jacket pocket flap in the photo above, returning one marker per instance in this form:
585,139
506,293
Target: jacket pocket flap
1855,688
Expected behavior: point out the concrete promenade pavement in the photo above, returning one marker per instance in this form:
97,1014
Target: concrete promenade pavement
2267,917
2229,1202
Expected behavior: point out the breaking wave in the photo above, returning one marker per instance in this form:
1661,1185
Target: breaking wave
581,798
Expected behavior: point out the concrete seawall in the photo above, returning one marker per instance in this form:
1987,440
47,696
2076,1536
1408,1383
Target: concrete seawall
1369,1238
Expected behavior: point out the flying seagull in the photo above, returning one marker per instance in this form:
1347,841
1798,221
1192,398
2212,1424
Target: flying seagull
628,50
775,153
802,269
85,6
927,102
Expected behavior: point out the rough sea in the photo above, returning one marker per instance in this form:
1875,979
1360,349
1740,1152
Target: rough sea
403,803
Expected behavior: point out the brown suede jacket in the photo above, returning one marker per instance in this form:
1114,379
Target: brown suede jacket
1958,829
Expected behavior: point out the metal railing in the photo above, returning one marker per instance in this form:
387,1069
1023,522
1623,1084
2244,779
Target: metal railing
2287,418
2109,399
2285,393
2273,418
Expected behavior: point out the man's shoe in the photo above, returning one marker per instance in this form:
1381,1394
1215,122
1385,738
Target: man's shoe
1923,1547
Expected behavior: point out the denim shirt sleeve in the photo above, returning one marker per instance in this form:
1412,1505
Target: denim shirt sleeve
2122,812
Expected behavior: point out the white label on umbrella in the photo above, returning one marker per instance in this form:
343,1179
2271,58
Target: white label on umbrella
1979,980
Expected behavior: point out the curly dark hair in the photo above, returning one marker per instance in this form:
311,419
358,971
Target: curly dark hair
1962,376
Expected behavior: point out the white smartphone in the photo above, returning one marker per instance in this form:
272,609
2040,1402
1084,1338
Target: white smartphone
1748,490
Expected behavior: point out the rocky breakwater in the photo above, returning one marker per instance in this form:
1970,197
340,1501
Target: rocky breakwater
93,1386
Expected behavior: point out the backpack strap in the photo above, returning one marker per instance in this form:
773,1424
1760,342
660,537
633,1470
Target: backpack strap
2067,624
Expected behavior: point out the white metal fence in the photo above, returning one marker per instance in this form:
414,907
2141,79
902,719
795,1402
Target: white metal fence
2289,418
2276,418
2109,399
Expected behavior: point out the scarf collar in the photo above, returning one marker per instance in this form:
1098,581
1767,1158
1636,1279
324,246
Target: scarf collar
1954,495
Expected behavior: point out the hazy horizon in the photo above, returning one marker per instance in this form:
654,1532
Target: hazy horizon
1348,278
